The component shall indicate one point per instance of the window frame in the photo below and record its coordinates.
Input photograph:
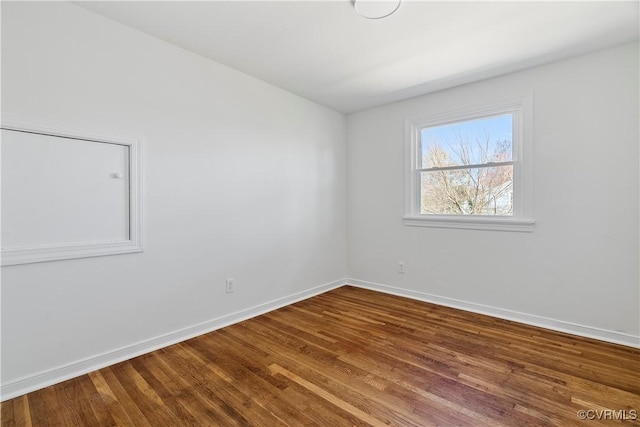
(522, 219)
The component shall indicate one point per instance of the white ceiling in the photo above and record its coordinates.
(325, 52)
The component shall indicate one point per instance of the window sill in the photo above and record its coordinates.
(471, 223)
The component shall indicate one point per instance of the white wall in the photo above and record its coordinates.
(241, 180)
(580, 265)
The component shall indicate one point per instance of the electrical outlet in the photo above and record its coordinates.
(402, 266)
(229, 286)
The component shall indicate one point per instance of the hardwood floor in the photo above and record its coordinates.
(353, 357)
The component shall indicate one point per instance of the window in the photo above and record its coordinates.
(470, 168)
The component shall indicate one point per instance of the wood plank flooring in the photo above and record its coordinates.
(353, 357)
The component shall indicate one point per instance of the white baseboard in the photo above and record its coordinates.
(529, 319)
(62, 373)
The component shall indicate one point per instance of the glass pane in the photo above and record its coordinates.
(472, 142)
(474, 191)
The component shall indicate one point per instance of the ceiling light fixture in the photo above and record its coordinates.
(375, 9)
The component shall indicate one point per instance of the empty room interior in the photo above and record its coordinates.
(320, 213)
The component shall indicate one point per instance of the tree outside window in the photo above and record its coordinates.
(467, 168)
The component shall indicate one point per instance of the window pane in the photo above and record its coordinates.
(474, 191)
(471, 142)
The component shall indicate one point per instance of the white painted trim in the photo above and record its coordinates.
(528, 319)
(42, 253)
(62, 373)
(477, 223)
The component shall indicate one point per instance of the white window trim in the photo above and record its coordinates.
(522, 219)
(42, 253)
